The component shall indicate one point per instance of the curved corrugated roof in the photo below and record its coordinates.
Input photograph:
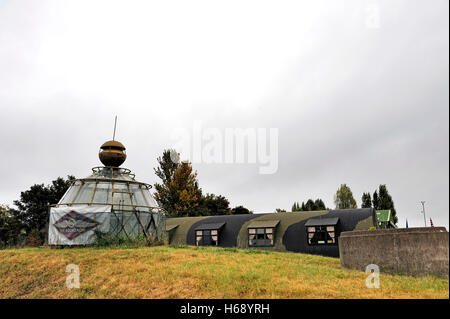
(210, 226)
(322, 221)
(263, 223)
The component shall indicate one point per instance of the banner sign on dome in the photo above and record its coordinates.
(77, 225)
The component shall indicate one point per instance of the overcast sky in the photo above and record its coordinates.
(358, 91)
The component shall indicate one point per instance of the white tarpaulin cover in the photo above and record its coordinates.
(76, 225)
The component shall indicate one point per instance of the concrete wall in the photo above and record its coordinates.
(415, 251)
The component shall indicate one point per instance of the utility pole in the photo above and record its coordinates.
(423, 211)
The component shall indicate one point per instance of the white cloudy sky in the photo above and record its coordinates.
(354, 103)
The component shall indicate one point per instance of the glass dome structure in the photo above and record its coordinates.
(133, 211)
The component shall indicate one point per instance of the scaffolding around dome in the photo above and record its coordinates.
(108, 201)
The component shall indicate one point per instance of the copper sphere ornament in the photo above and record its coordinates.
(112, 153)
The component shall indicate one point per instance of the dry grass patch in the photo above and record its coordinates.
(196, 272)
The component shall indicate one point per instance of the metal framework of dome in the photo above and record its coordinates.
(111, 186)
(132, 209)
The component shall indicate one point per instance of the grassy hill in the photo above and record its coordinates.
(195, 272)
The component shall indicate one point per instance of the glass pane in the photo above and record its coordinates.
(331, 234)
(199, 238)
(252, 231)
(310, 235)
(213, 232)
(251, 237)
(121, 195)
(71, 193)
(199, 232)
(151, 201)
(143, 209)
(269, 230)
(206, 232)
(311, 229)
(84, 196)
(330, 228)
(138, 197)
(102, 193)
(214, 238)
(122, 201)
(260, 230)
(269, 236)
(260, 242)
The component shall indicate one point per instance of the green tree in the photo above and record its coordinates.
(296, 207)
(238, 210)
(375, 201)
(366, 200)
(344, 198)
(168, 164)
(311, 205)
(214, 205)
(279, 210)
(9, 227)
(166, 195)
(384, 201)
(33, 207)
(179, 194)
(319, 204)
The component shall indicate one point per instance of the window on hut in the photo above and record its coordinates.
(322, 231)
(261, 233)
(260, 236)
(207, 237)
(208, 234)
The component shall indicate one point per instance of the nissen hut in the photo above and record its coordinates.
(314, 232)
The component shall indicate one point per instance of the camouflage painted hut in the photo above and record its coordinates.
(313, 232)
